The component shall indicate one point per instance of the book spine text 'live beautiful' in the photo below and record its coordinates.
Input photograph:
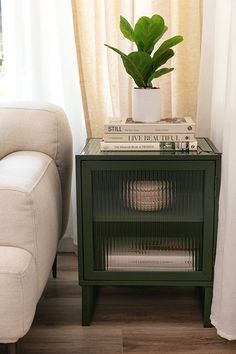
(147, 138)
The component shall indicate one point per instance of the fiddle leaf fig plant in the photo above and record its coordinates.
(142, 65)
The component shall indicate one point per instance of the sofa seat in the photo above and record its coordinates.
(18, 296)
(30, 227)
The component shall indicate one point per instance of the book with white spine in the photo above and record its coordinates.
(159, 146)
(178, 260)
(165, 126)
(147, 138)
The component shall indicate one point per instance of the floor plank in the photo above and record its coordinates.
(128, 320)
(175, 340)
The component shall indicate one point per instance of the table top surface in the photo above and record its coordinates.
(206, 151)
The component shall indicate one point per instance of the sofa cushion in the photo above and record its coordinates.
(18, 292)
(31, 208)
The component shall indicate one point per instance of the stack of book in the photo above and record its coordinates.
(169, 134)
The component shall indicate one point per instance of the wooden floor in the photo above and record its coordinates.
(127, 320)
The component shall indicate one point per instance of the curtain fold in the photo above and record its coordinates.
(106, 87)
(216, 119)
(40, 64)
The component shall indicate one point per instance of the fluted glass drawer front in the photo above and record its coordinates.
(148, 218)
(148, 195)
(147, 247)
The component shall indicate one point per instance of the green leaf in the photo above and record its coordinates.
(166, 45)
(143, 63)
(148, 31)
(159, 73)
(126, 29)
(162, 59)
(116, 50)
(130, 67)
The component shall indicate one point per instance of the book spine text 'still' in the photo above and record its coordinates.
(149, 128)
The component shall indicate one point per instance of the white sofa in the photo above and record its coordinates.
(35, 182)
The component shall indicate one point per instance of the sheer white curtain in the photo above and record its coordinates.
(217, 119)
(40, 63)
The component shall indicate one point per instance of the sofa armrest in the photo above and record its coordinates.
(30, 126)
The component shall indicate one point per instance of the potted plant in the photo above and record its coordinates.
(144, 67)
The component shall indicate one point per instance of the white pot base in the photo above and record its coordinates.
(146, 105)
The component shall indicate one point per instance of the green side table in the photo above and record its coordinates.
(147, 218)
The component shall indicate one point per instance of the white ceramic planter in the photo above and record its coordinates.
(146, 105)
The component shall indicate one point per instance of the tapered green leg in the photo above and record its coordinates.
(207, 300)
(88, 304)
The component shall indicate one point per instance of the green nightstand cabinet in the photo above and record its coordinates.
(147, 218)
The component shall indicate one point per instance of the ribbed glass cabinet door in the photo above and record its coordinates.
(148, 219)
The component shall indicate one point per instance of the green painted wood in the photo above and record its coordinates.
(207, 159)
(79, 217)
(146, 276)
(88, 304)
(145, 165)
(216, 202)
(208, 232)
(207, 294)
(146, 283)
(87, 221)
